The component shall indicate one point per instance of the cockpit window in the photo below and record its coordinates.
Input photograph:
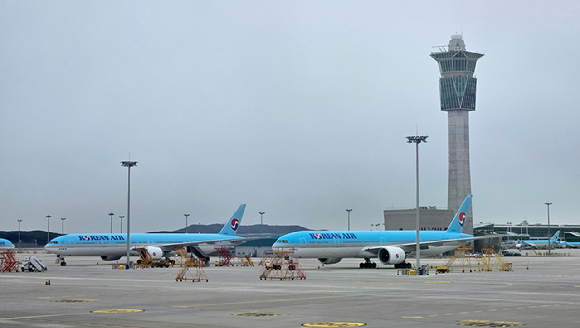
(284, 241)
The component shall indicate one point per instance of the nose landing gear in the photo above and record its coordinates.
(60, 259)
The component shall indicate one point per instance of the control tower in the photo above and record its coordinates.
(457, 88)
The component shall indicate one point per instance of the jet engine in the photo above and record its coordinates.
(111, 258)
(391, 255)
(155, 252)
(330, 260)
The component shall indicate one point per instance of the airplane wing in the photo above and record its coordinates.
(411, 247)
(231, 241)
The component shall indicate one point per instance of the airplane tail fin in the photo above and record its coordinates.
(555, 236)
(231, 227)
(459, 219)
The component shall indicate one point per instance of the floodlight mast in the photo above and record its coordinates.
(261, 221)
(417, 140)
(48, 229)
(186, 216)
(111, 214)
(121, 217)
(348, 217)
(549, 232)
(128, 165)
(19, 220)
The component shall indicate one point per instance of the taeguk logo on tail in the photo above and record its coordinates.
(462, 216)
(234, 224)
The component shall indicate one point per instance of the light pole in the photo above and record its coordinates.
(48, 229)
(417, 140)
(549, 233)
(128, 165)
(19, 220)
(261, 221)
(186, 216)
(111, 215)
(348, 215)
(62, 225)
(121, 217)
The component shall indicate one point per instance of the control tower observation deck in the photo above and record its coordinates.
(457, 88)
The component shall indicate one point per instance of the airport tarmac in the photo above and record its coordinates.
(540, 292)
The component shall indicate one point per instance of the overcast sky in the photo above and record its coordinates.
(296, 108)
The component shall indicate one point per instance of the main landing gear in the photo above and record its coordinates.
(367, 264)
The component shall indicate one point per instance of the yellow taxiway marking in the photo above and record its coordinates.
(412, 317)
(270, 301)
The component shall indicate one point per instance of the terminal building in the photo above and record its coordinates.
(457, 90)
(526, 231)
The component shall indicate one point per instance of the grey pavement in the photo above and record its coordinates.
(539, 292)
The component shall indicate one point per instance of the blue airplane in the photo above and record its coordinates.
(541, 243)
(111, 247)
(390, 247)
(571, 244)
(5, 244)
